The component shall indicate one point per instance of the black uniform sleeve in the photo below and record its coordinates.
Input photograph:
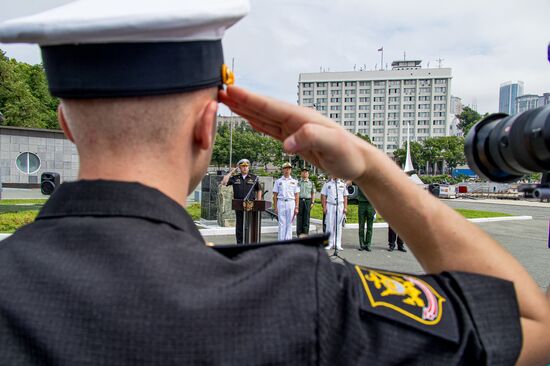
(257, 186)
(231, 180)
(377, 317)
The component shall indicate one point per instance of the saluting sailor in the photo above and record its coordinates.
(335, 205)
(245, 185)
(285, 201)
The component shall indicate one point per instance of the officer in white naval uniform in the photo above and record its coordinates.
(335, 203)
(285, 201)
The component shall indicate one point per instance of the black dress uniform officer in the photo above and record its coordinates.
(245, 185)
(114, 271)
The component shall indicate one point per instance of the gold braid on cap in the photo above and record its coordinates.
(228, 78)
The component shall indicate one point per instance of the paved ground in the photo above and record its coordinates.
(526, 240)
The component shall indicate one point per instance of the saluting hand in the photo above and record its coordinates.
(304, 131)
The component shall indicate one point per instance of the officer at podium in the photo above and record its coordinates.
(245, 185)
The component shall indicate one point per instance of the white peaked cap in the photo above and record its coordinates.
(109, 21)
(100, 48)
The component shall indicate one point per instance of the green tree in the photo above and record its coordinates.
(452, 150)
(364, 137)
(247, 144)
(24, 97)
(468, 118)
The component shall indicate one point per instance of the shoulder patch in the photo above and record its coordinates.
(417, 301)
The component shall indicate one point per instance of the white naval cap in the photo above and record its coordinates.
(105, 48)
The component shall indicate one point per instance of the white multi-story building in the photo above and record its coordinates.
(237, 121)
(531, 101)
(383, 104)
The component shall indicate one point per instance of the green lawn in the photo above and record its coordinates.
(16, 213)
(351, 217)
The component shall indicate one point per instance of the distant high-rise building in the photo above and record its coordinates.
(509, 91)
(384, 104)
(456, 105)
(456, 109)
(238, 121)
(531, 101)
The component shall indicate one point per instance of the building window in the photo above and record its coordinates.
(364, 83)
(307, 85)
(350, 92)
(335, 100)
(349, 107)
(28, 163)
(334, 92)
(364, 91)
(321, 84)
(321, 92)
(364, 99)
(349, 100)
(335, 108)
(335, 83)
(307, 92)
(349, 83)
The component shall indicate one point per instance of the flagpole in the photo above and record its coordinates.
(231, 125)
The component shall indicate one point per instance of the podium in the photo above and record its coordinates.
(252, 218)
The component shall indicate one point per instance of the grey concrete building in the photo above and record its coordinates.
(26, 153)
(383, 104)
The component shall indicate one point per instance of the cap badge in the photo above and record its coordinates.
(228, 77)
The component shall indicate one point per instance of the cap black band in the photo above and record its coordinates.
(132, 69)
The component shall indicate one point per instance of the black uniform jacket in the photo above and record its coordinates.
(241, 187)
(116, 273)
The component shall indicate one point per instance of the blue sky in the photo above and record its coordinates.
(484, 42)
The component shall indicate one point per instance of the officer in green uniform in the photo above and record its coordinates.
(307, 199)
(366, 212)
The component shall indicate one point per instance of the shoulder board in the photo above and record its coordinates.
(417, 301)
(312, 241)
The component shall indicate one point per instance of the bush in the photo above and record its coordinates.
(447, 179)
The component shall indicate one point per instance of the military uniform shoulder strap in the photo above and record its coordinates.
(313, 241)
